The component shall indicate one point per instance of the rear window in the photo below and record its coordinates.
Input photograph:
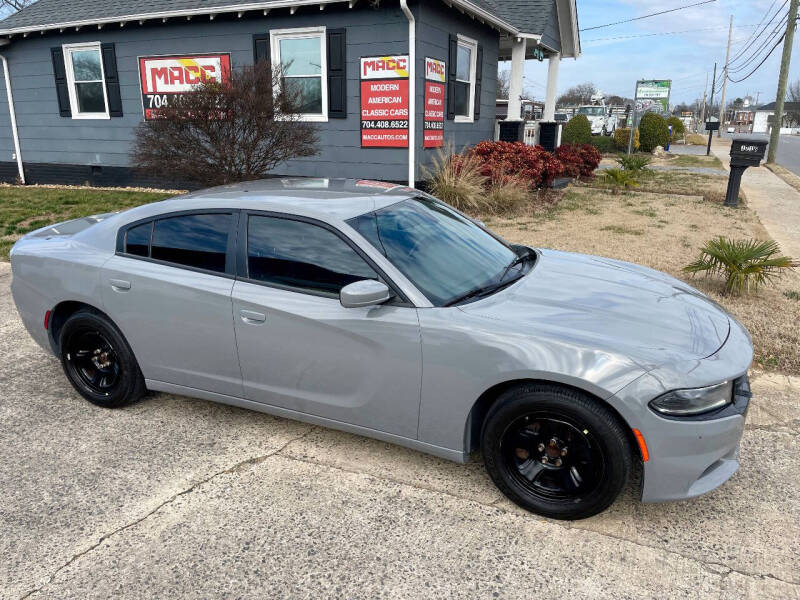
(199, 241)
(137, 240)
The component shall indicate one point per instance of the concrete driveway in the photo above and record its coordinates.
(175, 497)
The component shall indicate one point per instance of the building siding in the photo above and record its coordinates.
(45, 137)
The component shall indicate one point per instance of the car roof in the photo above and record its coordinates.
(333, 197)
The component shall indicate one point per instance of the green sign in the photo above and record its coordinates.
(653, 95)
(538, 54)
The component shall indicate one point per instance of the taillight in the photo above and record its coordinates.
(47, 320)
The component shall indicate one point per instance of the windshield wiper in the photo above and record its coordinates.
(499, 284)
(521, 258)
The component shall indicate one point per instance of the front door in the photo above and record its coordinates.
(300, 349)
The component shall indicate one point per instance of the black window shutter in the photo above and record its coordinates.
(478, 80)
(452, 59)
(261, 48)
(337, 73)
(263, 54)
(62, 87)
(112, 79)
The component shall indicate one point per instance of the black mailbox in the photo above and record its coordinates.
(747, 153)
(511, 131)
(712, 125)
(744, 153)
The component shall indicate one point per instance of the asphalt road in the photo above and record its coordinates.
(788, 149)
(179, 498)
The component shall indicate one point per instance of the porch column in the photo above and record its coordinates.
(515, 80)
(552, 88)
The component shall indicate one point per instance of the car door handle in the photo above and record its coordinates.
(248, 316)
(120, 285)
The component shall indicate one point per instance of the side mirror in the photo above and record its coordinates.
(364, 293)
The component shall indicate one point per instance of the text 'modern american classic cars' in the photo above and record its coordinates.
(380, 310)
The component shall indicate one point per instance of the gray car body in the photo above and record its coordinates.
(412, 374)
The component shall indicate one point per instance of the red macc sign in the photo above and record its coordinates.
(433, 120)
(384, 102)
(166, 77)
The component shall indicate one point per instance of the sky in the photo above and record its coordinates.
(614, 65)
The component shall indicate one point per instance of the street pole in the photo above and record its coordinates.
(725, 81)
(703, 109)
(784, 76)
(711, 107)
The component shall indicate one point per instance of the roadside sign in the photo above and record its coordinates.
(653, 95)
(433, 121)
(165, 78)
(384, 101)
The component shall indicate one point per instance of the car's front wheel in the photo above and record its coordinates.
(98, 361)
(556, 451)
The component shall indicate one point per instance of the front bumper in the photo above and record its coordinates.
(691, 456)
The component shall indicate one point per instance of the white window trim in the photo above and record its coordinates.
(67, 50)
(473, 63)
(275, 37)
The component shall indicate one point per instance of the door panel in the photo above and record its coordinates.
(178, 322)
(310, 354)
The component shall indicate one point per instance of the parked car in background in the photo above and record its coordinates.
(380, 310)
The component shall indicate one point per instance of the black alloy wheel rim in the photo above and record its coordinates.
(94, 362)
(552, 456)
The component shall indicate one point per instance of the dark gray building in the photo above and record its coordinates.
(84, 73)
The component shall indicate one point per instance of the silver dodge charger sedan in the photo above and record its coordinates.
(380, 310)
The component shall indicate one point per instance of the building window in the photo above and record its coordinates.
(87, 86)
(465, 78)
(301, 54)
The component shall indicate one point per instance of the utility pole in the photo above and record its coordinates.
(711, 107)
(703, 109)
(725, 82)
(784, 76)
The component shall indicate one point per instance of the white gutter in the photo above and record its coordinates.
(412, 94)
(13, 117)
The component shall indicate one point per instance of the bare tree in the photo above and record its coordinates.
(11, 6)
(226, 132)
(503, 84)
(792, 108)
(578, 94)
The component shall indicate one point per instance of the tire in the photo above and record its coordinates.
(98, 361)
(556, 451)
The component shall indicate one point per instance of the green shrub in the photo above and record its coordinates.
(578, 130)
(678, 128)
(621, 137)
(653, 132)
(636, 163)
(618, 178)
(604, 144)
(745, 264)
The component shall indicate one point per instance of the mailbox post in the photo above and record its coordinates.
(744, 153)
(711, 127)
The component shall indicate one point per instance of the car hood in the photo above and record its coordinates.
(605, 303)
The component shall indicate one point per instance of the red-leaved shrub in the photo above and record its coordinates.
(578, 160)
(532, 164)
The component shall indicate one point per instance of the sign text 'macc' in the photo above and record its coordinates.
(384, 67)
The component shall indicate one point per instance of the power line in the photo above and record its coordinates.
(640, 35)
(758, 34)
(765, 45)
(655, 14)
(778, 43)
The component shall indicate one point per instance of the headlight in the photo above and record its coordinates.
(683, 403)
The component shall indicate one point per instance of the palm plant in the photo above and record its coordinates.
(745, 264)
(636, 163)
(618, 178)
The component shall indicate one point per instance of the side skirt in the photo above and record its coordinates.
(441, 452)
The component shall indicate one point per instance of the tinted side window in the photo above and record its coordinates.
(137, 239)
(192, 240)
(301, 255)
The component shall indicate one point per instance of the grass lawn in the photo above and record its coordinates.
(665, 232)
(691, 160)
(23, 209)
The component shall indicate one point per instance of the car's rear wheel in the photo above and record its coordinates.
(556, 451)
(98, 361)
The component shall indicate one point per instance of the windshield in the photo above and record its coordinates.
(592, 111)
(444, 254)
